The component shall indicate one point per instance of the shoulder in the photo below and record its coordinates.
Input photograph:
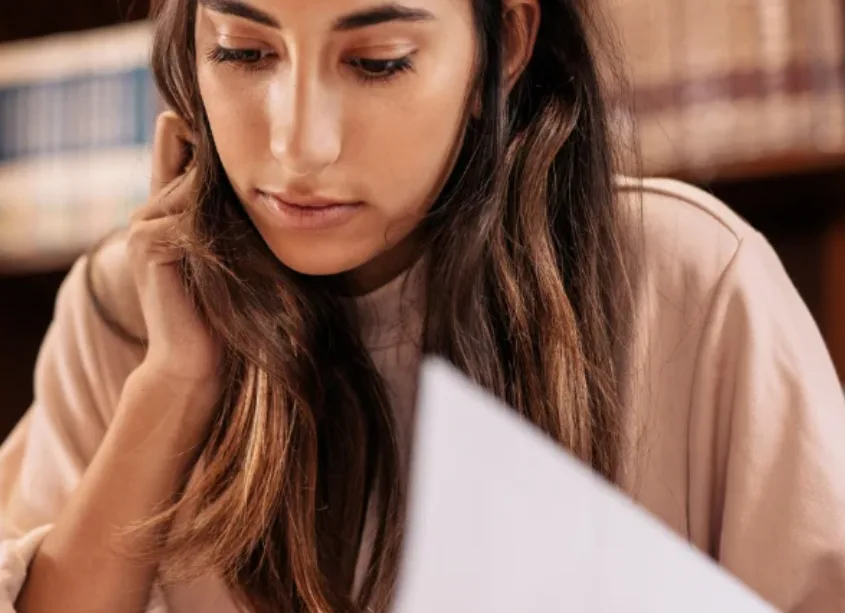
(690, 246)
(720, 327)
(680, 231)
(737, 398)
(695, 256)
(716, 322)
(681, 204)
(90, 347)
(112, 291)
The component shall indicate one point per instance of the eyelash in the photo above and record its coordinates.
(243, 58)
(253, 60)
(390, 69)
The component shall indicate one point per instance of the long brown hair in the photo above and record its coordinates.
(523, 265)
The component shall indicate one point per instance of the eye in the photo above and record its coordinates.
(380, 70)
(248, 59)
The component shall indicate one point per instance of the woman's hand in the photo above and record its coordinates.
(180, 349)
(152, 443)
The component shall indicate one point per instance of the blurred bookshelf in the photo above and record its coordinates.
(747, 99)
(743, 97)
(74, 123)
(735, 89)
(76, 119)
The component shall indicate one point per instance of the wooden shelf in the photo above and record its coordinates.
(43, 17)
(784, 164)
(38, 263)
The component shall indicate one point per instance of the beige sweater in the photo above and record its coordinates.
(734, 412)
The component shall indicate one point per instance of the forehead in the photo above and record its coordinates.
(292, 13)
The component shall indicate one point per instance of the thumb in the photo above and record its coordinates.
(171, 147)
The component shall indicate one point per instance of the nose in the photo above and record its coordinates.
(305, 125)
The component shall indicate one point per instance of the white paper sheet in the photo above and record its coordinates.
(502, 520)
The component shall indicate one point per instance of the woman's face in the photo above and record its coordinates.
(336, 120)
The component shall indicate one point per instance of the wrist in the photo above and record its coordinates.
(183, 405)
(185, 370)
(183, 384)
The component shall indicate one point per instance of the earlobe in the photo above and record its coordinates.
(475, 105)
(521, 24)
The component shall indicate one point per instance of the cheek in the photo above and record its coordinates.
(415, 138)
(237, 120)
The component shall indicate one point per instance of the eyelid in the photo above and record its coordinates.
(241, 42)
(385, 51)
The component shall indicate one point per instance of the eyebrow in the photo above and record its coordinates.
(381, 14)
(376, 15)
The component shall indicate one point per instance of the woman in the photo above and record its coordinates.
(224, 399)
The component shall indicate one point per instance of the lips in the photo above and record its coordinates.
(297, 212)
(307, 202)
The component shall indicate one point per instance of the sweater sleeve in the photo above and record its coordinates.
(767, 439)
(80, 371)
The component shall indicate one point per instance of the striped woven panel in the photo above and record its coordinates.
(720, 84)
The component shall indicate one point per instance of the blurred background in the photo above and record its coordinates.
(745, 98)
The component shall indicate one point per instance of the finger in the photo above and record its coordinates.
(176, 198)
(156, 241)
(172, 139)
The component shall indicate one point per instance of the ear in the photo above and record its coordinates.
(521, 23)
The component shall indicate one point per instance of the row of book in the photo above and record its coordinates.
(725, 83)
(76, 123)
(78, 113)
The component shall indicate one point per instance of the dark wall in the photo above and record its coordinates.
(26, 308)
(28, 18)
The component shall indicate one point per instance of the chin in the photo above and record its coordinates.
(319, 258)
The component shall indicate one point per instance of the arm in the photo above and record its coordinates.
(767, 440)
(127, 473)
(140, 465)
(81, 370)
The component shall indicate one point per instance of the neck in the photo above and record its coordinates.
(385, 267)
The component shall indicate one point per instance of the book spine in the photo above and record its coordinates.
(76, 123)
(76, 114)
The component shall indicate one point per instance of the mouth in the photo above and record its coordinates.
(315, 213)
(306, 202)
